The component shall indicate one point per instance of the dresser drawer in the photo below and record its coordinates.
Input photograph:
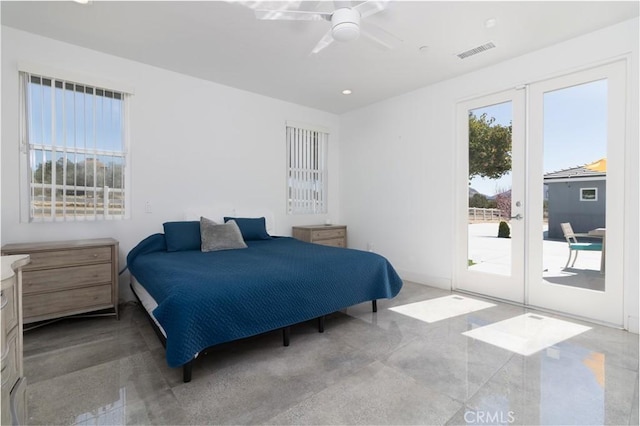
(64, 278)
(9, 362)
(66, 302)
(327, 234)
(9, 307)
(58, 258)
(5, 411)
(19, 402)
(334, 242)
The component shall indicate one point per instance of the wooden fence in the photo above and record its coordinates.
(477, 214)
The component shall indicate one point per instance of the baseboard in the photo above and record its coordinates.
(424, 279)
(633, 324)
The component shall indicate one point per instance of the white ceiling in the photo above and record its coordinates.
(225, 43)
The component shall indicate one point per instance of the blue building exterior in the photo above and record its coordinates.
(578, 196)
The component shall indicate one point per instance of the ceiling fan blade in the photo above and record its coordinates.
(370, 7)
(292, 15)
(379, 35)
(341, 4)
(258, 4)
(326, 40)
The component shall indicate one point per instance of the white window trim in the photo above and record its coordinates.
(87, 79)
(307, 126)
(588, 189)
(324, 172)
(24, 170)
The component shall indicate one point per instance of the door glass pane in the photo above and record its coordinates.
(489, 243)
(575, 176)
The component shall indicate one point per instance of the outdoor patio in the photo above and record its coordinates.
(493, 255)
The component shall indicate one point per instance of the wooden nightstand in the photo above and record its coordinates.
(68, 277)
(327, 235)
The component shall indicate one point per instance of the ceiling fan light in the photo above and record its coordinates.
(345, 24)
(346, 31)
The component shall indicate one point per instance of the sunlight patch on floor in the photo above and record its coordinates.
(441, 308)
(527, 334)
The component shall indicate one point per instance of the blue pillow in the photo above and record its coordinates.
(251, 228)
(181, 236)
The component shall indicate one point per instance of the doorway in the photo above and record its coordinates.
(541, 194)
(493, 160)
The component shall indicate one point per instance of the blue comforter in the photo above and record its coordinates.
(209, 298)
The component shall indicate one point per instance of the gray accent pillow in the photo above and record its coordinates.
(216, 237)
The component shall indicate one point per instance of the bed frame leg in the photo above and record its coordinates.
(186, 371)
(286, 334)
(374, 305)
(321, 324)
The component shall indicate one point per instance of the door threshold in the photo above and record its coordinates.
(541, 309)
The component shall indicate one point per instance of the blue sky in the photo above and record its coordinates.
(575, 125)
(87, 122)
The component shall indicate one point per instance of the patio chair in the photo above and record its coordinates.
(574, 245)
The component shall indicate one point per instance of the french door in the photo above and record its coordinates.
(565, 165)
(591, 200)
(493, 176)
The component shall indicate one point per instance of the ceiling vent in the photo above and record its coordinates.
(476, 50)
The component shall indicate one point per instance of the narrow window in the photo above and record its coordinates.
(306, 170)
(74, 136)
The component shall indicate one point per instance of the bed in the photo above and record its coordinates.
(198, 299)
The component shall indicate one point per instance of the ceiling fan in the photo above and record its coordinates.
(346, 22)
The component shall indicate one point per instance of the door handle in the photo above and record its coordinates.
(517, 217)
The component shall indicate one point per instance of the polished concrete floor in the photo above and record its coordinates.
(366, 368)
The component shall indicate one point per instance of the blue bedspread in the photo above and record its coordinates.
(210, 298)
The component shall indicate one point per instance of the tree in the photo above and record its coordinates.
(503, 201)
(489, 147)
(479, 201)
(80, 173)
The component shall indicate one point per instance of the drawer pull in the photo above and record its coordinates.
(3, 301)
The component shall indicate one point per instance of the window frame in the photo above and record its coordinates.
(308, 203)
(26, 146)
(595, 194)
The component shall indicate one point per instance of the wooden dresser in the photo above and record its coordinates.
(328, 235)
(14, 385)
(68, 277)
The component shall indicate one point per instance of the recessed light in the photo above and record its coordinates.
(490, 23)
(82, 1)
(346, 92)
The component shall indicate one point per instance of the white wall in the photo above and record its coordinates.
(193, 144)
(397, 160)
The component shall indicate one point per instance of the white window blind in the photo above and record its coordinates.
(74, 140)
(307, 170)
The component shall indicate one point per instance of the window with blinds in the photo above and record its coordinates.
(74, 138)
(307, 170)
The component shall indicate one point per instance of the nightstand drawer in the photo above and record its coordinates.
(63, 278)
(327, 234)
(56, 259)
(67, 302)
(334, 242)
